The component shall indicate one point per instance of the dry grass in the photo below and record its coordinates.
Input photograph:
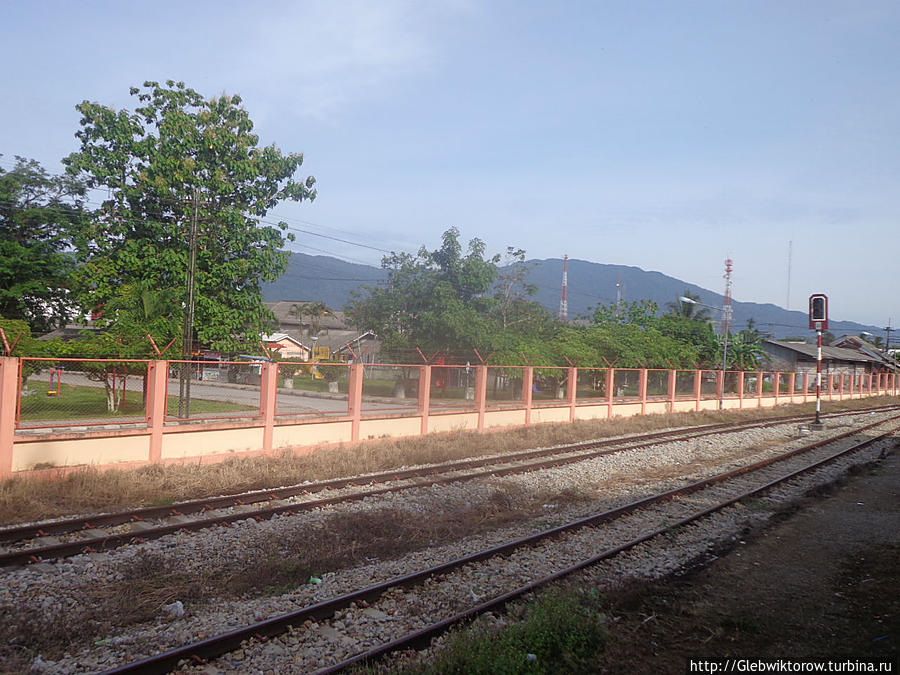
(90, 490)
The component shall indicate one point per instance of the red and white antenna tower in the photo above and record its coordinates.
(726, 302)
(564, 298)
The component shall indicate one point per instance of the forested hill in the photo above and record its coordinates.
(320, 278)
(329, 280)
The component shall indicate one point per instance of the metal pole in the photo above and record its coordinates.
(187, 338)
(724, 361)
(819, 378)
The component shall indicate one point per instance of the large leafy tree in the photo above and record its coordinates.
(38, 212)
(176, 160)
(437, 300)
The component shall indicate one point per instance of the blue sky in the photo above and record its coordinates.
(665, 135)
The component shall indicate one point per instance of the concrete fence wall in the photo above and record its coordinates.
(157, 438)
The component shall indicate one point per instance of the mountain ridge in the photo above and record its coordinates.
(332, 281)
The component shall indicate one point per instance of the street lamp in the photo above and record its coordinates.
(691, 301)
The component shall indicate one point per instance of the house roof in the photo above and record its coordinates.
(856, 343)
(830, 353)
(286, 317)
(278, 337)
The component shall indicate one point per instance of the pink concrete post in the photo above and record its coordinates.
(424, 396)
(157, 379)
(9, 396)
(572, 391)
(673, 376)
(610, 386)
(642, 390)
(830, 386)
(841, 387)
(792, 385)
(481, 377)
(776, 385)
(759, 388)
(267, 395)
(354, 399)
(698, 387)
(527, 382)
(869, 383)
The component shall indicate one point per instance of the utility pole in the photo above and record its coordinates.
(187, 336)
(887, 337)
(787, 304)
(619, 299)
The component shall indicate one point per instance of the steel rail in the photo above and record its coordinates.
(98, 543)
(80, 523)
(224, 643)
(422, 637)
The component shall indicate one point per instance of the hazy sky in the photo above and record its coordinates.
(664, 135)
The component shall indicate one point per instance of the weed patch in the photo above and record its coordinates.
(557, 633)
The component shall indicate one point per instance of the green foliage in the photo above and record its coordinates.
(512, 306)
(640, 313)
(689, 310)
(561, 633)
(436, 301)
(700, 335)
(174, 156)
(745, 352)
(37, 214)
(139, 310)
(17, 329)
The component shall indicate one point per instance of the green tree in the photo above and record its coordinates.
(37, 214)
(745, 352)
(639, 313)
(179, 158)
(513, 306)
(699, 334)
(139, 310)
(689, 310)
(315, 312)
(437, 300)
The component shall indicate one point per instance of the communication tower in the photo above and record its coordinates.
(726, 302)
(564, 298)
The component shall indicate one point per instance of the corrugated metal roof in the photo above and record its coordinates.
(831, 353)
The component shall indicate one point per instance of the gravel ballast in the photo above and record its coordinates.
(608, 481)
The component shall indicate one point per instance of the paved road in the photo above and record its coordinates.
(288, 401)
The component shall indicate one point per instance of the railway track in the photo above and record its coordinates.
(45, 541)
(514, 568)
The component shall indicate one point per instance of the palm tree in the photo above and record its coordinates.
(314, 311)
(689, 310)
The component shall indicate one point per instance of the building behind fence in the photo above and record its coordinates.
(59, 413)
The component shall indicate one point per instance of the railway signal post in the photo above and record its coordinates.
(818, 321)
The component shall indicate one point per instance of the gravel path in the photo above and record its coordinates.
(610, 480)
